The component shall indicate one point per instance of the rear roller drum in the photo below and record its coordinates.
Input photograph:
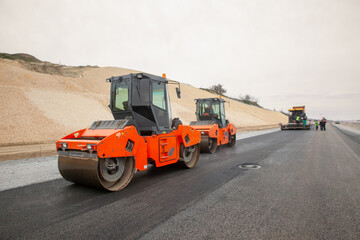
(116, 173)
(189, 155)
(232, 140)
(208, 145)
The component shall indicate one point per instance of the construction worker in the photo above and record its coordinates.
(316, 124)
(297, 120)
(323, 124)
(304, 118)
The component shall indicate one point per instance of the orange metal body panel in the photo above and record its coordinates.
(194, 136)
(113, 143)
(163, 148)
(213, 131)
(115, 146)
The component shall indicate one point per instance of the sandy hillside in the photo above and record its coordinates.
(40, 107)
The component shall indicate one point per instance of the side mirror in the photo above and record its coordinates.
(178, 93)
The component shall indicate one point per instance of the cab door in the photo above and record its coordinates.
(222, 114)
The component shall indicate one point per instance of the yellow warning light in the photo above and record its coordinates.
(164, 75)
(219, 96)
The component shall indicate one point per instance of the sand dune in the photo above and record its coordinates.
(39, 107)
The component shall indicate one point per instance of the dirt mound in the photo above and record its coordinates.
(40, 104)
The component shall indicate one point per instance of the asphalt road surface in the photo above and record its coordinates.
(308, 187)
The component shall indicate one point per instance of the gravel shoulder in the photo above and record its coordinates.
(347, 128)
(27, 171)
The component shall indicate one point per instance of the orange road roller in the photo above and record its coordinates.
(108, 154)
(212, 124)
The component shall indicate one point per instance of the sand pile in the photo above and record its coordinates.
(38, 107)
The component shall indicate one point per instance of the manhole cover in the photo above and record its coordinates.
(249, 166)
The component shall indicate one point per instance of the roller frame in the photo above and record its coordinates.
(221, 135)
(79, 165)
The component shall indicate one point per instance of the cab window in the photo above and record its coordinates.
(158, 95)
(222, 111)
(216, 109)
(122, 96)
(203, 108)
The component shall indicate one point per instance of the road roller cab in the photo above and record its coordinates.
(108, 153)
(143, 98)
(212, 124)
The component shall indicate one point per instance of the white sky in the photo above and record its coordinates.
(283, 52)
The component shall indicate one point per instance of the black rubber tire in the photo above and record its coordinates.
(232, 140)
(186, 160)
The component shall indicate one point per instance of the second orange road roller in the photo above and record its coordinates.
(212, 124)
(107, 154)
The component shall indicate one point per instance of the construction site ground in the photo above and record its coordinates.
(307, 187)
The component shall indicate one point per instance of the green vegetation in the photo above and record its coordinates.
(250, 100)
(20, 56)
(220, 90)
(31, 63)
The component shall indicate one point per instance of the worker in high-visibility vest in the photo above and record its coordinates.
(297, 120)
(316, 124)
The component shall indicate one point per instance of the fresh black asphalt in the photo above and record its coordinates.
(308, 188)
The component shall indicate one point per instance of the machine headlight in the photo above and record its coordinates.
(64, 145)
(91, 146)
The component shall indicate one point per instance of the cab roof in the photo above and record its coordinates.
(210, 99)
(138, 76)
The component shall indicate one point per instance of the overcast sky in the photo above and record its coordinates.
(283, 52)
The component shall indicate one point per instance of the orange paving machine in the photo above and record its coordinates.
(212, 124)
(107, 154)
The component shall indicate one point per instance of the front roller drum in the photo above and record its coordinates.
(208, 145)
(112, 174)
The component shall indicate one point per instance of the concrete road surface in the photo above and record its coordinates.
(308, 187)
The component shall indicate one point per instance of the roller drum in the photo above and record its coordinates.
(208, 145)
(90, 170)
